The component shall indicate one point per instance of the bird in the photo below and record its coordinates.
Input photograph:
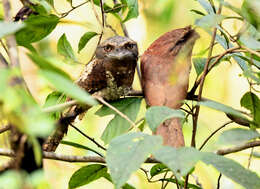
(165, 68)
(109, 75)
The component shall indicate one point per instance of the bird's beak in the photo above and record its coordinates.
(121, 55)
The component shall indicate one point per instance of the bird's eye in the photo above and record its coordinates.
(129, 46)
(108, 48)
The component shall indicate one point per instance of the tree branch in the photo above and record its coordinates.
(238, 148)
(5, 128)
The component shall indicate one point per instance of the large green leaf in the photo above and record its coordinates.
(118, 125)
(87, 174)
(9, 28)
(181, 160)
(251, 102)
(238, 136)
(178, 160)
(66, 86)
(44, 64)
(158, 114)
(126, 153)
(233, 170)
(84, 40)
(132, 10)
(37, 28)
(64, 48)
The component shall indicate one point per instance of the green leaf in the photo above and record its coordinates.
(251, 102)
(80, 146)
(233, 170)
(84, 40)
(209, 21)
(199, 64)
(158, 169)
(157, 114)
(126, 153)
(8, 28)
(237, 136)
(251, 12)
(86, 175)
(64, 48)
(65, 85)
(178, 160)
(132, 10)
(37, 28)
(221, 107)
(44, 64)
(207, 6)
(118, 125)
(41, 6)
(12, 179)
(52, 99)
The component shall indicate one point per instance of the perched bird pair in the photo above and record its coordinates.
(165, 67)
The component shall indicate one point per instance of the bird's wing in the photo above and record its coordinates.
(93, 78)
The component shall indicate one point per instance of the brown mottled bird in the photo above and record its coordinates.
(165, 68)
(110, 75)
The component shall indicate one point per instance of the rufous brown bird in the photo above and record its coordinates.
(110, 75)
(165, 68)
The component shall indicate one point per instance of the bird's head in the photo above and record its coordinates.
(117, 48)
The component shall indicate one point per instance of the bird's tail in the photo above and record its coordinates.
(171, 132)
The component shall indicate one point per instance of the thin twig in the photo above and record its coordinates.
(60, 107)
(250, 158)
(251, 51)
(3, 61)
(197, 109)
(5, 48)
(212, 134)
(73, 8)
(219, 177)
(4, 128)
(88, 137)
(100, 99)
(10, 40)
(238, 148)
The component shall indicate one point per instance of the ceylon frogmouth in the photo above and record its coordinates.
(110, 75)
(165, 68)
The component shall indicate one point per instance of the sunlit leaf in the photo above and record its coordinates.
(178, 160)
(132, 10)
(64, 48)
(86, 175)
(207, 6)
(155, 115)
(209, 21)
(118, 125)
(9, 28)
(126, 153)
(251, 12)
(221, 107)
(44, 64)
(237, 136)
(85, 39)
(65, 85)
(233, 170)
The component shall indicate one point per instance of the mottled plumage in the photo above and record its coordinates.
(110, 75)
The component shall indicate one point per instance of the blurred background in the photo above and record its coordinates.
(224, 84)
